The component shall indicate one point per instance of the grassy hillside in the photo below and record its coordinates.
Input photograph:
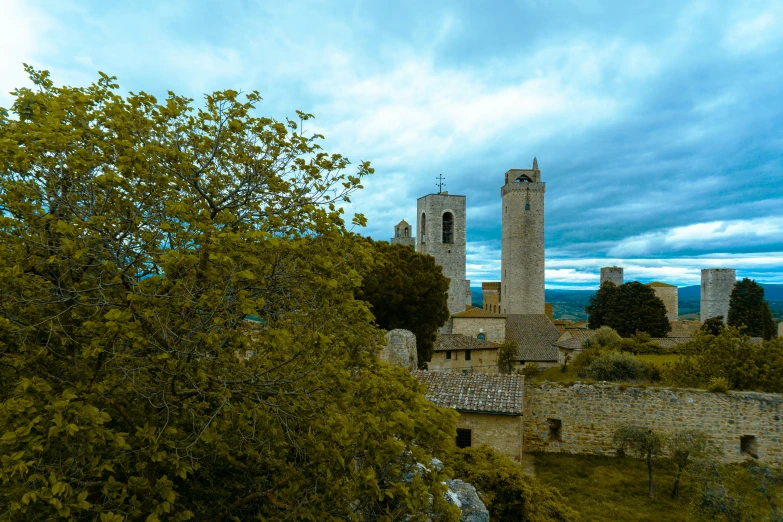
(609, 489)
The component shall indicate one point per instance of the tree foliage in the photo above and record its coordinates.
(641, 442)
(619, 366)
(629, 308)
(509, 493)
(507, 356)
(733, 356)
(747, 308)
(135, 238)
(683, 447)
(407, 290)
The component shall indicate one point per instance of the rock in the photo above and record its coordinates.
(400, 349)
(466, 498)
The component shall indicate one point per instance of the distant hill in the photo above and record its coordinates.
(570, 304)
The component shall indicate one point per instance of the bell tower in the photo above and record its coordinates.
(522, 257)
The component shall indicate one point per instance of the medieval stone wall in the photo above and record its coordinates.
(501, 432)
(613, 274)
(400, 349)
(716, 287)
(589, 414)
(669, 295)
(481, 361)
(494, 328)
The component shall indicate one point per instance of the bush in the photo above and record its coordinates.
(718, 385)
(530, 371)
(585, 358)
(603, 337)
(619, 366)
(640, 343)
(508, 493)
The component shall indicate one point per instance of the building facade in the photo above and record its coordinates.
(716, 287)
(403, 234)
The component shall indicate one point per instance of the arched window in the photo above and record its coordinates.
(423, 228)
(524, 178)
(406, 232)
(527, 206)
(448, 228)
(481, 337)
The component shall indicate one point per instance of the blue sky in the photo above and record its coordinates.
(658, 126)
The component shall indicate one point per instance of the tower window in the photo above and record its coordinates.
(448, 228)
(406, 232)
(527, 206)
(423, 228)
(463, 438)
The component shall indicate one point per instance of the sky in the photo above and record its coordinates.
(658, 126)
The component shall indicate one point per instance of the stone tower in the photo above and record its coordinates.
(403, 234)
(522, 257)
(441, 226)
(716, 287)
(613, 274)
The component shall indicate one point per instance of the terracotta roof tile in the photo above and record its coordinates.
(569, 344)
(477, 312)
(534, 334)
(462, 342)
(474, 392)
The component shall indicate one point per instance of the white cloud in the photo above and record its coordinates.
(755, 30)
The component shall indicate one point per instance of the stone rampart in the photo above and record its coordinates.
(582, 418)
(613, 274)
(716, 287)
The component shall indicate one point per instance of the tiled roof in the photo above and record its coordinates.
(534, 334)
(569, 344)
(670, 342)
(478, 312)
(462, 342)
(474, 392)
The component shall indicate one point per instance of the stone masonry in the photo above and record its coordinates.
(522, 248)
(669, 295)
(448, 248)
(582, 418)
(400, 349)
(613, 274)
(403, 234)
(716, 287)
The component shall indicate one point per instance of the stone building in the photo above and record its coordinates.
(716, 287)
(522, 248)
(403, 234)
(669, 295)
(441, 226)
(491, 291)
(400, 349)
(613, 274)
(462, 353)
(489, 406)
(481, 324)
(535, 336)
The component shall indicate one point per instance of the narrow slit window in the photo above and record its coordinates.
(527, 206)
(448, 228)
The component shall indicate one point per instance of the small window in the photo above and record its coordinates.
(423, 228)
(448, 354)
(527, 206)
(448, 228)
(406, 232)
(467, 355)
(748, 446)
(555, 427)
(481, 337)
(463, 438)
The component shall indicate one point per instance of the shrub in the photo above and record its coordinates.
(603, 337)
(619, 366)
(640, 343)
(530, 371)
(718, 385)
(584, 358)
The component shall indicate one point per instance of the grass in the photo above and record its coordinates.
(556, 374)
(608, 489)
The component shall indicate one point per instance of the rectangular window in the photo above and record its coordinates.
(555, 429)
(467, 355)
(448, 354)
(463, 438)
(748, 446)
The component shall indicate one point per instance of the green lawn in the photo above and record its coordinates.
(611, 489)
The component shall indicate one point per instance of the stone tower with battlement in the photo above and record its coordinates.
(403, 234)
(441, 227)
(716, 287)
(613, 274)
(522, 256)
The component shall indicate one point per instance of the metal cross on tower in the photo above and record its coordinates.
(440, 183)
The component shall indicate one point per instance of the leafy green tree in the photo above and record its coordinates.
(507, 356)
(620, 366)
(713, 325)
(136, 237)
(603, 337)
(730, 355)
(629, 308)
(509, 493)
(748, 308)
(407, 290)
(683, 446)
(641, 442)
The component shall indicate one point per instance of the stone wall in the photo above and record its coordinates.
(716, 287)
(501, 432)
(493, 327)
(400, 349)
(522, 247)
(669, 295)
(613, 274)
(491, 291)
(588, 415)
(481, 361)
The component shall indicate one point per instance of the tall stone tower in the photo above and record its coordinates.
(403, 234)
(441, 226)
(522, 258)
(716, 287)
(613, 274)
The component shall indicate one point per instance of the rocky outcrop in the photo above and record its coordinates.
(466, 498)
